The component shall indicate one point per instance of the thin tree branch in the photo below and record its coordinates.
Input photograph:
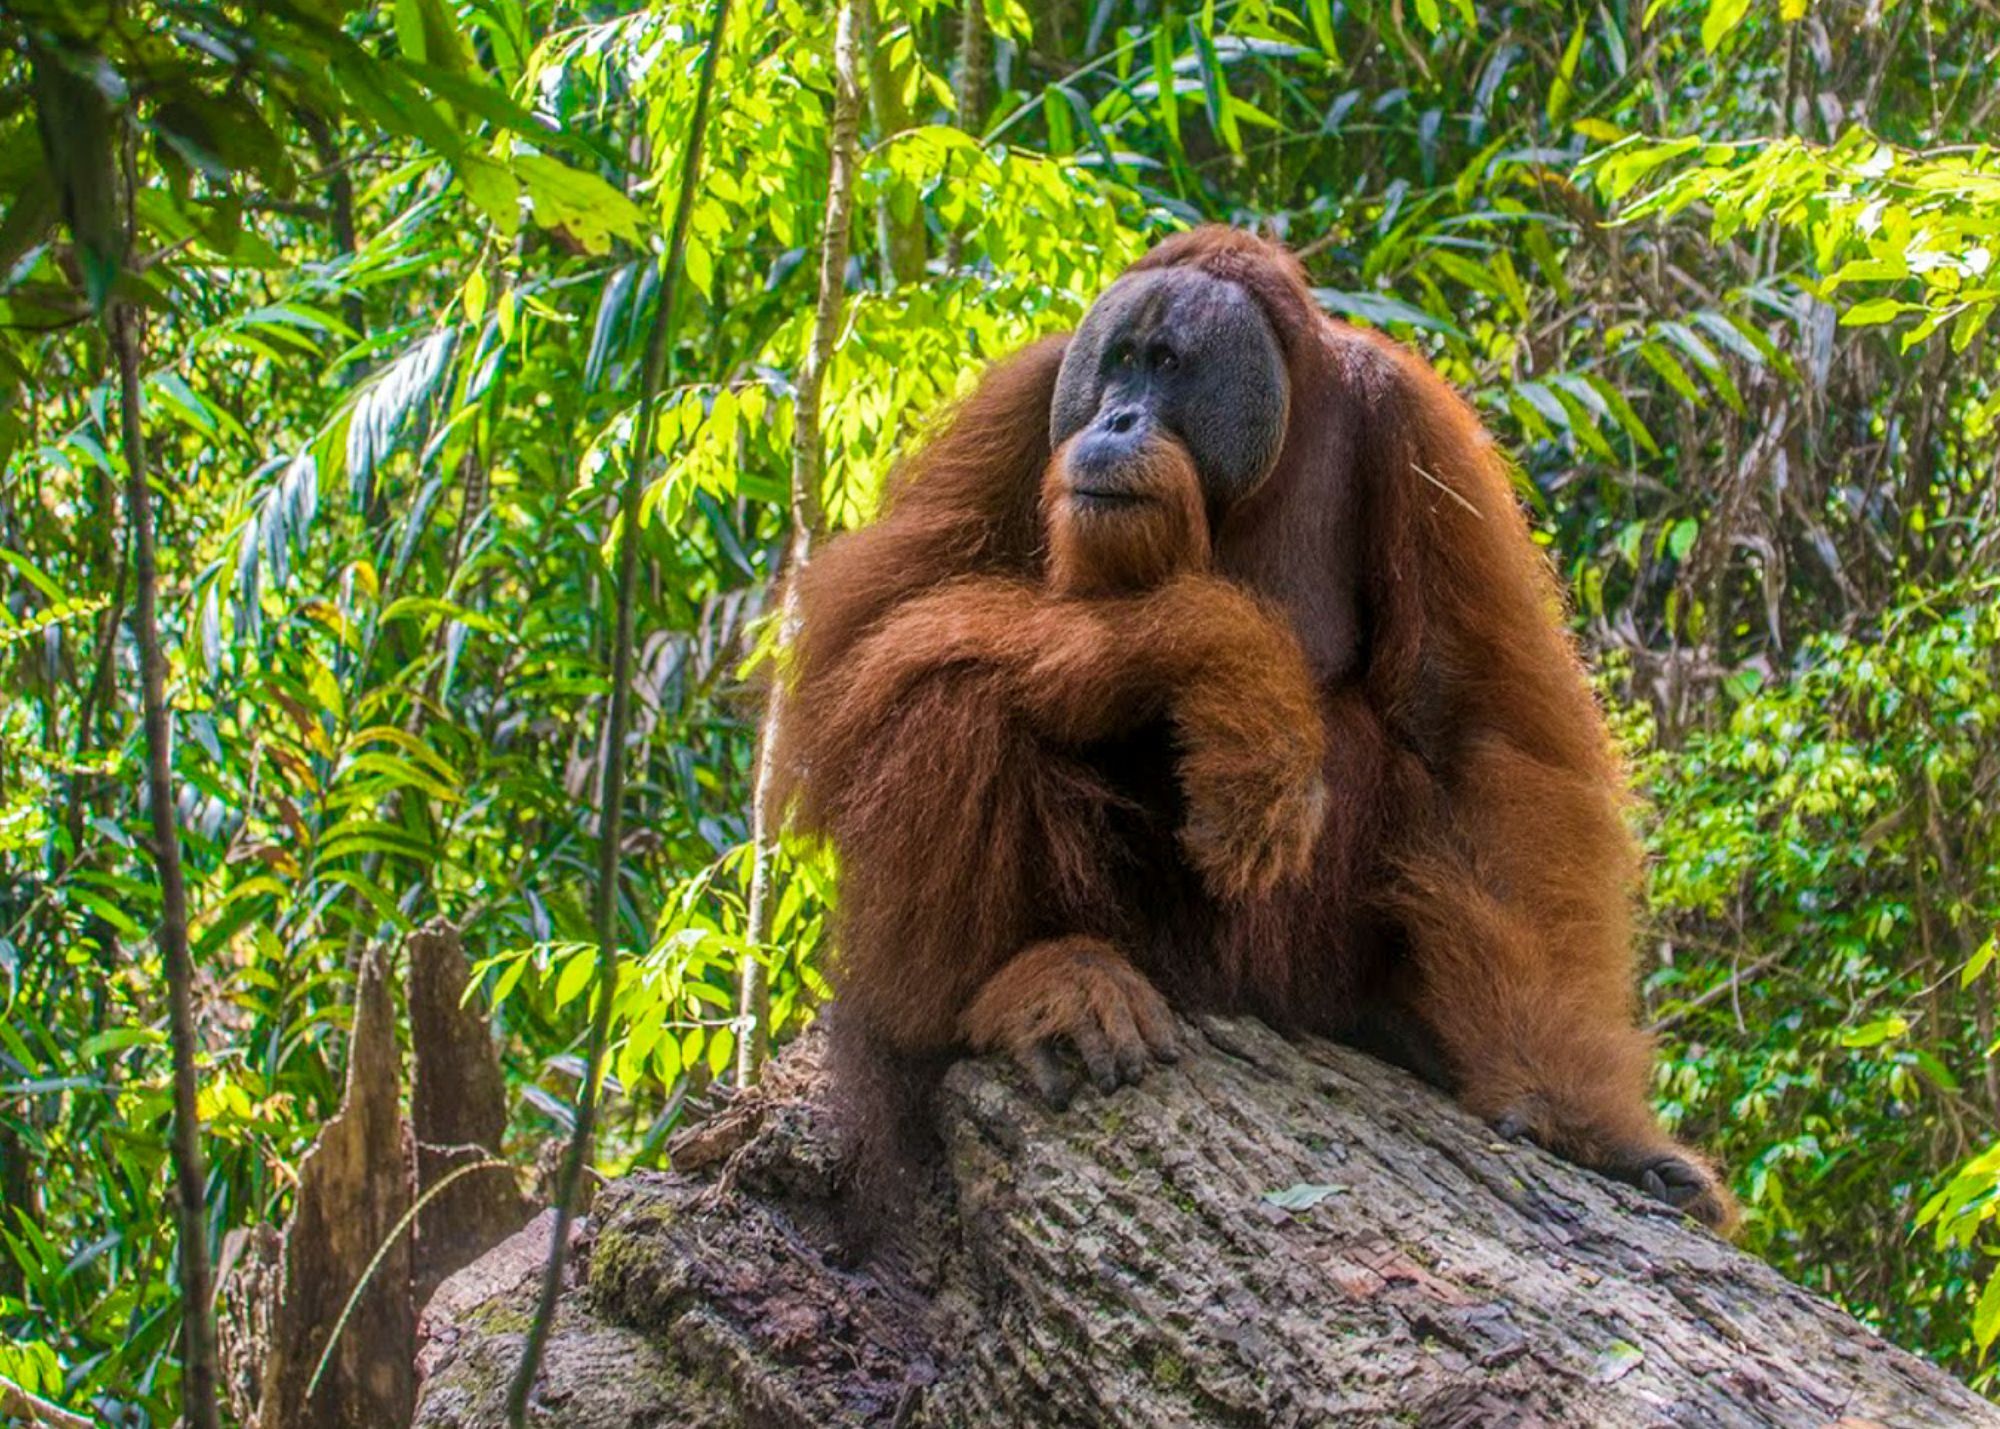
(753, 1042)
(1728, 986)
(969, 92)
(612, 789)
(19, 1406)
(197, 1332)
(901, 241)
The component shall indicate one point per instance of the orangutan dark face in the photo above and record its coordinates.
(1178, 356)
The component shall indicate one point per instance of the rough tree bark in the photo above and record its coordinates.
(1268, 1233)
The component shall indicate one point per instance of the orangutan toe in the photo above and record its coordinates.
(1513, 1126)
(1667, 1172)
(1046, 1073)
(1690, 1187)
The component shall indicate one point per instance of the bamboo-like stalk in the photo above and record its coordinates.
(198, 1373)
(901, 241)
(612, 786)
(808, 518)
(974, 56)
(969, 92)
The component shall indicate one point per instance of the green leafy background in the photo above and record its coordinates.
(1721, 277)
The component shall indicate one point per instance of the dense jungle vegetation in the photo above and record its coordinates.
(362, 293)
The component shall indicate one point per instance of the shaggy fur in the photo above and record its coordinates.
(1005, 700)
(1047, 798)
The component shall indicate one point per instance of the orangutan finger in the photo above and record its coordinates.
(1052, 1081)
(1128, 1047)
(1095, 1049)
(1156, 1025)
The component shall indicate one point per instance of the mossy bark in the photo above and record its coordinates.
(1268, 1233)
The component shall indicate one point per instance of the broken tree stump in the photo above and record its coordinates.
(354, 1188)
(1268, 1233)
(458, 1114)
(401, 1203)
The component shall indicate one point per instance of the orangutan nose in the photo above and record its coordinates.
(1110, 444)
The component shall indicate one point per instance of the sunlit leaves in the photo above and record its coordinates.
(493, 186)
(1964, 1208)
(1874, 1034)
(1563, 90)
(1812, 815)
(1620, 168)
(577, 203)
(1925, 226)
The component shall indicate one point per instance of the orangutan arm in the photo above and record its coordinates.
(1228, 674)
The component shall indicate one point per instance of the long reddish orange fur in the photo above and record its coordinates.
(1473, 883)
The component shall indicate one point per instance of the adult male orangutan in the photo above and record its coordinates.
(1068, 791)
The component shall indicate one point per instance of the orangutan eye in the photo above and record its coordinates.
(1165, 359)
(1123, 357)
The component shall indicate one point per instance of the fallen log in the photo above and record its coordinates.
(1267, 1233)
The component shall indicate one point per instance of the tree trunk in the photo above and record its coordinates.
(1267, 1233)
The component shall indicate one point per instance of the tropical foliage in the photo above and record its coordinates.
(1719, 274)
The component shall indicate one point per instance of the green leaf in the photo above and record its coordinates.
(1873, 1034)
(1381, 310)
(1669, 368)
(1166, 101)
(34, 577)
(1215, 87)
(1080, 107)
(1319, 13)
(76, 124)
(401, 773)
(1628, 417)
(428, 35)
(477, 95)
(1302, 1196)
(117, 1039)
(578, 203)
(382, 91)
(1563, 91)
(492, 187)
(575, 976)
(1979, 962)
(1721, 21)
(1968, 323)
(1618, 170)
(1986, 1314)
(1877, 310)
